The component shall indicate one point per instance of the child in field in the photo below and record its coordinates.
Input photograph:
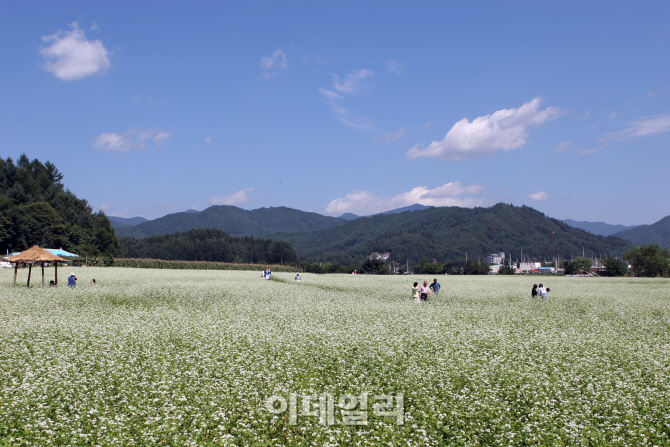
(533, 293)
(542, 291)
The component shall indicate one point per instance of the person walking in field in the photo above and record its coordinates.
(416, 292)
(533, 293)
(425, 291)
(435, 287)
(542, 291)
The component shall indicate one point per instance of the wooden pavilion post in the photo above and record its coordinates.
(56, 280)
(16, 271)
(42, 274)
(30, 269)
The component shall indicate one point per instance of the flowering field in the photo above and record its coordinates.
(176, 357)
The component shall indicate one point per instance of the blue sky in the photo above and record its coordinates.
(157, 107)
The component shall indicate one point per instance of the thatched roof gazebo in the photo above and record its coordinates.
(35, 256)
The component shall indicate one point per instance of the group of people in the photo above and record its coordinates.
(266, 273)
(421, 293)
(71, 281)
(541, 291)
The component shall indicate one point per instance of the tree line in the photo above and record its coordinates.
(206, 244)
(36, 209)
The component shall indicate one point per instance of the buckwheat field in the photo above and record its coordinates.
(174, 357)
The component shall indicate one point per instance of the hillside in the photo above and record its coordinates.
(36, 208)
(208, 245)
(447, 233)
(122, 222)
(657, 233)
(601, 228)
(235, 221)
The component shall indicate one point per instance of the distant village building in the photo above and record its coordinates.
(496, 258)
(382, 256)
(526, 267)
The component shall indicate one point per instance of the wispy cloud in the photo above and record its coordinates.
(208, 139)
(450, 194)
(71, 56)
(273, 65)
(561, 147)
(133, 139)
(505, 129)
(236, 198)
(394, 66)
(353, 82)
(538, 196)
(639, 128)
(344, 89)
(395, 135)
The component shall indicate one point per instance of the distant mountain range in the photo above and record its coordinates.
(415, 207)
(448, 233)
(656, 233)
(235, 221)
(411, 232)
(122, 222)
(598, 227)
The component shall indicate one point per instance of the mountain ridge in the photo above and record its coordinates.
(656, 233)
(235, 221)
(601, 228)
(448, 233)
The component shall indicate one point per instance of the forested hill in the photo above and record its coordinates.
(233, 220)
(209, 245)
(35, 208)
(657, 233)
(448, 233)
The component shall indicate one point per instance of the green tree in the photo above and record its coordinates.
(581, 264)
(430, 268)
(615, 267)
(374, 267)
(648, 260)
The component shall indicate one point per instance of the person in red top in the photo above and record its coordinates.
(425, 291)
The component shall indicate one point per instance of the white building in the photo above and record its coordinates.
(526, 267)
(496, 258)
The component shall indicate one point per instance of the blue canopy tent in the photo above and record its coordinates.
(62, 253)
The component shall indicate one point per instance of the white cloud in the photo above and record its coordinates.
(236, 198)
(538, 196)
(272, 65)
(133, 139)
(640, 128)
(331, 95)
(364, 202)
(561, 147)
(208, 139)
(505, 129)
(71, 56)
(352, 83)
